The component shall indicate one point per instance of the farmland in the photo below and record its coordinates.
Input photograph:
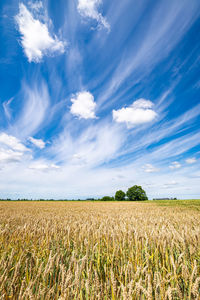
(100, 250)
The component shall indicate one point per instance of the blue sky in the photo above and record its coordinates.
(99, 95)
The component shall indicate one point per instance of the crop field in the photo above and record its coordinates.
(100, 250)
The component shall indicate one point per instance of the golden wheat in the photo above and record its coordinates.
(94, 250)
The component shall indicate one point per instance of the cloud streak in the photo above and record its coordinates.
(89, 9)
(35, 107)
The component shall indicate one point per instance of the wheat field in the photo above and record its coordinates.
(98, 250)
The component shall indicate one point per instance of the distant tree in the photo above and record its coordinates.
(107, 198)
(120, 195)
(136, 193)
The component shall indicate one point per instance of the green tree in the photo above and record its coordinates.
(136, 193)
(120, 195)
(107, 198)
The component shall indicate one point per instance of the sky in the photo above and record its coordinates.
(97, 96)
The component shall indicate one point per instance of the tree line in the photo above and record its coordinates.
(134, 193)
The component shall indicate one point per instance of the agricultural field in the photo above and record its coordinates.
(100, 250)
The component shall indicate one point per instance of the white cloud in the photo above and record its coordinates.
(37, 142)
(175, 165)
(148, 168)
(89, 9)
(83, 106)
(9, 155)
(11, 142)
(36, 39)
(43, 166)
(35, 5)
(11, 149)
(191, 160)
(139, 112)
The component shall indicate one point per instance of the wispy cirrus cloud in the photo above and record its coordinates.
(35, 5)
(89, 9)
(36, 39)
(35, 107)
(87, 148)
(7, 109)
(156, 38)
